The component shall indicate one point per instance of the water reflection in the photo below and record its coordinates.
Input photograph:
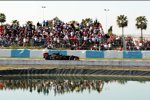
(57, 85)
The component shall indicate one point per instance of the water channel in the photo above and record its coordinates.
(74, 88)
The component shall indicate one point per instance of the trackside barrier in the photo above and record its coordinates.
(27, 53)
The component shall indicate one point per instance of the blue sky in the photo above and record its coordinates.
(78, 10)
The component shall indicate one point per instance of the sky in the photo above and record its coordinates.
(78, 10)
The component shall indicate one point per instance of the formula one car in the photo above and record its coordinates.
(57, 56)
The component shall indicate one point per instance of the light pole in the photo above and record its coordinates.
(43, 7)
(106, 10)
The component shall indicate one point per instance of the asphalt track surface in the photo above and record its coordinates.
(71, 71)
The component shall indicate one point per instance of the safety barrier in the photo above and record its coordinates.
(28, 53)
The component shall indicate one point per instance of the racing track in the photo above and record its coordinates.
(75, 71)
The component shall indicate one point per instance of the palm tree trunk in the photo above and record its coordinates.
(123, 40)
(141, 36)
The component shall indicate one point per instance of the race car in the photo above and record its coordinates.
(58, 56)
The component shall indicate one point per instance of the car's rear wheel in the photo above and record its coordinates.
(75, 58)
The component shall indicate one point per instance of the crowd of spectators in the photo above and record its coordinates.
(71, 35)
(53, 34)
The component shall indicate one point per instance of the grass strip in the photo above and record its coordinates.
(7, 67)
(81, 75)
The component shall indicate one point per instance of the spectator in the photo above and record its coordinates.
(57, 34)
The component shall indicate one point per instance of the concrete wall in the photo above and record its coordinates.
(94, 54)
(27, 53)
(23, 53)
(80, 53)
(113, 54)
(36, 53)
(5, 53)
(111, 63)
(145, 54)
(132, 54)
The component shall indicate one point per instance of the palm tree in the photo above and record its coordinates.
(86, 21)
(122, 22)
(89, 20)
(15, 22)
(72, 22)
(2, 18)
(57, 20)
(110, 31)
(29, 23)
(54, 21)
(141, 23)
(95, 21)
(50, 23)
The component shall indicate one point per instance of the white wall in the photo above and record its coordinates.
(5, 52)
(79, 53)
(146, 54)
(113, 54)
(36, 53)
